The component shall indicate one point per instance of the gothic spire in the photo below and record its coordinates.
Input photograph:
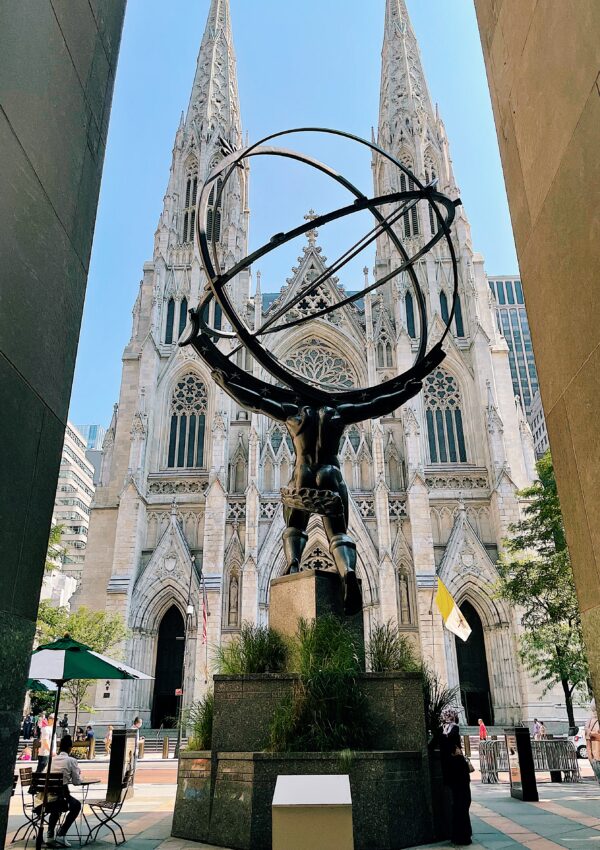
(405, 106)
(214, 102)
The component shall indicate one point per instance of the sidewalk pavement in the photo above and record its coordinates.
(567, 817)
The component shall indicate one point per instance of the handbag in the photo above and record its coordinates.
(470, 765)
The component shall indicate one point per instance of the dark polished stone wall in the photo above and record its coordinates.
(245, 705)
(57, 69)
(391, 796)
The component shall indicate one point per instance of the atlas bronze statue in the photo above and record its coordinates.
(315, 414)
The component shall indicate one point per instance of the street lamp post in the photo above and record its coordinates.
(188, 618)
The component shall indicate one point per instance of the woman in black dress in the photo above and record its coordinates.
(455, 773)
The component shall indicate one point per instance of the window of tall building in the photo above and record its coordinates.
(458, 318)
(182, 315)
(189, 212)
(170, 321)
(444, 418)
(186, 433)
(410, 315)
(213, 214)
(411, 218)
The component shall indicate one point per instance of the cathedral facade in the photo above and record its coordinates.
(190, 481)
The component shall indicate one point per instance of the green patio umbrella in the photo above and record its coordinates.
(40, 685)
(67, 659)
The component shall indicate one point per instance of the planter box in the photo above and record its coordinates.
(244, 707)
(391, 802)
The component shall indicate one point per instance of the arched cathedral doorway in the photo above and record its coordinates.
(169, 668)
(473, 670)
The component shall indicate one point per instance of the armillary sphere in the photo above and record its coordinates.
(388, 211)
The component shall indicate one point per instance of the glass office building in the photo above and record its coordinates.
(512, 321)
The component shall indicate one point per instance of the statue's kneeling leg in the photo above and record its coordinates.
(343, 552)
(294, 541)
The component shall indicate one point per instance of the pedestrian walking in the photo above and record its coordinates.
(28, 727)
(482, 730)
(45, 740)
(64, 725)
(137, 725)
(592, 739)
(63, 763)
(536, 729)
(455, 774)
(108, 740)
(543, 733)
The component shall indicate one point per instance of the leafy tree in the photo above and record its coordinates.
(535, 573)
(55, 550)
(97, 629)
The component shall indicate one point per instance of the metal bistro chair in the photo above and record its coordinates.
(107, 811)
(33, 810)
(27, 800)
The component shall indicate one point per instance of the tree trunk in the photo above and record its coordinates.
(74, 735)
(568, 701)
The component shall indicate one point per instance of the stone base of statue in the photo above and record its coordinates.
(308, 595)
(224, 796)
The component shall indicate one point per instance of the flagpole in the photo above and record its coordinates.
(188, 615)
(40, 835)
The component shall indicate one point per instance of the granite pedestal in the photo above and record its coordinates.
(308, 595)
(391, 799)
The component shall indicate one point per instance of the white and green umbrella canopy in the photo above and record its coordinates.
(67, 659)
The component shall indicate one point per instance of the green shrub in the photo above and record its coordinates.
(436, 697)
(390, 651)
(257, 649)
(327, 709)
(199, 717)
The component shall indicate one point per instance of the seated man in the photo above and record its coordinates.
(64, 763)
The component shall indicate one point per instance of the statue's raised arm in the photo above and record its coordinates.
(253, 400)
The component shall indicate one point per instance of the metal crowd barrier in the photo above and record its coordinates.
(548, 755)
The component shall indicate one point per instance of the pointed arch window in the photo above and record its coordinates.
(385, 357)
(186, 433)
(444, 306)
(443, 412)
(410, 315)
(170, 321)
(458, 318)
(182, 315)
(213, 214)
(218, 316)
(430, 175)
(189, 212)
(410, 218)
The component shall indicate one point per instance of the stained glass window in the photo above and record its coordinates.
(186, 433)
(444, 418)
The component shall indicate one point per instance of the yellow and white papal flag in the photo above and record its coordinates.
(453, 619)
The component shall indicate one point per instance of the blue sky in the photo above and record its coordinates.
(314, 62)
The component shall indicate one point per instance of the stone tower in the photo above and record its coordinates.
(190, 482)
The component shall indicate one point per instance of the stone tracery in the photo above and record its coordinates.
(319, 362)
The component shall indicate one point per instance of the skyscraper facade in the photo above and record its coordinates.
(190, 481)
(513, 325)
